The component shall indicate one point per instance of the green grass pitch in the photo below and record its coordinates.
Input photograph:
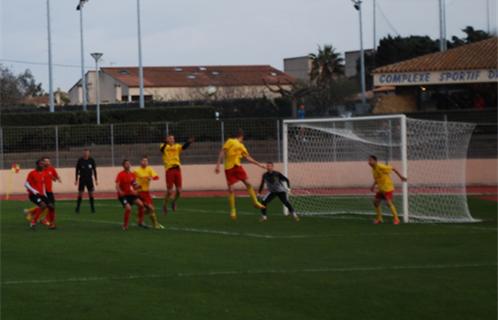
(204, 266)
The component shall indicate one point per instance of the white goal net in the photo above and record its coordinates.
(326, 162)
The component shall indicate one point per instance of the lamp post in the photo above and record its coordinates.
(50, 62)
(357, 6)
(140, 65)
(80, 6)
(442, 25)
(97, 56)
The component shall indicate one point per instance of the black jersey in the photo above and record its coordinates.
(85, 168)
(274, 181)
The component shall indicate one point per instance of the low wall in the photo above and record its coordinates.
(345, 174)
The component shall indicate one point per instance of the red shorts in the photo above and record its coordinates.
(174, 177)
(145, 197)
(384, 195)
(235, 175)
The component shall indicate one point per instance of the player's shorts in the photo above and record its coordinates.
(235, 175)
(51, 198)
(88, 184)
(38, 199)
(388, 196)
(174, 177)
(127, 200)
(145, 197)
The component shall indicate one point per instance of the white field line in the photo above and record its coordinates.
(249, 273)
(269, 236)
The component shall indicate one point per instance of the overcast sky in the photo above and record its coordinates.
(202, 32)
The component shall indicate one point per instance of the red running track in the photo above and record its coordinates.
(488, 193)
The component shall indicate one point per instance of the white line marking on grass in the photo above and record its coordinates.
(250, 272)
(270, 236)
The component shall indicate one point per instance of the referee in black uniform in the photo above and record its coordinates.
(86, 171)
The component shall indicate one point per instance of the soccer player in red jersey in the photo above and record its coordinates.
(51, 175)
(35, 185)
(126, 187)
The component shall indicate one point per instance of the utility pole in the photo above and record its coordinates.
(82, 44)
(140, 65)
(357, 6)
(50, 62)
(442, 25)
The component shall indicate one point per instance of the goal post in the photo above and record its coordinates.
(326, 162)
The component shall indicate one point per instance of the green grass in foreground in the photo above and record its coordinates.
(205, 266)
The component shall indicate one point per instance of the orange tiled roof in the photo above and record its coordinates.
(478, 55)
(199, 76)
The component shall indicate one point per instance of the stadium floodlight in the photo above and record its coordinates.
(79, 8)
(357, 6)
(326, 160)
(97, 56)
(50, 62)
(140, 65)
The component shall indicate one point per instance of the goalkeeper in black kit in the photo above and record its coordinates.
(278, 186)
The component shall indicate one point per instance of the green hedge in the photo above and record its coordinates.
(107, 116)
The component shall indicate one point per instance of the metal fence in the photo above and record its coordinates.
(111, 143)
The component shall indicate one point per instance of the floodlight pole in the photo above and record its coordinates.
(357, 6)
(82, 43)
(50, 62)
(140, 65)
(442, 25)
(97, 56)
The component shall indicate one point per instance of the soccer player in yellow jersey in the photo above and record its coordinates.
(232, 153)
(385, 188)
(171, 152)
(143, 176)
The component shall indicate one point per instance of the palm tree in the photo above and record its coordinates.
(325, 65)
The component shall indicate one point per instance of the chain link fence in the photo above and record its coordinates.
(111, 143)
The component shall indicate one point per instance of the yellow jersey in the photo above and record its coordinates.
(143, 177)
(381, 174)
(171, 155)
(234, 152)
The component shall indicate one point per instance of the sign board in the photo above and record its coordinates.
(437, 77)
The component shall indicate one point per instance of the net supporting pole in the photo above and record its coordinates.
(285, 145)
(279, 146)
(111, 127)
(57, 163)
(404, 167)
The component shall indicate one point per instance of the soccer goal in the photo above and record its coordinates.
(326, 162)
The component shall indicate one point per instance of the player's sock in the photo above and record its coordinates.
(231, 204)
(254, 197)
(45, 217)
(32, 210)
(78, 204)
(165, 204)
(153, 219)
(141, 215)
(92, 204)
(378, 213)
(51, 216)
(393, 211)
(36, 216)
(127, 215)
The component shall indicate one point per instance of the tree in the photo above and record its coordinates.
(325, 65)
(472, 35)
(14, 88)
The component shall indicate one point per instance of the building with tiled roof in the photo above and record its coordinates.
(462, 77)
(183, 83)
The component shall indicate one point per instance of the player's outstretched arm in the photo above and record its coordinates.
(256, 163)
(400, 176)
(187, 144)
(221, 156)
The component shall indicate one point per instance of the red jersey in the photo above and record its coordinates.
(50, 175)
(126, 181)
(35, 181)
